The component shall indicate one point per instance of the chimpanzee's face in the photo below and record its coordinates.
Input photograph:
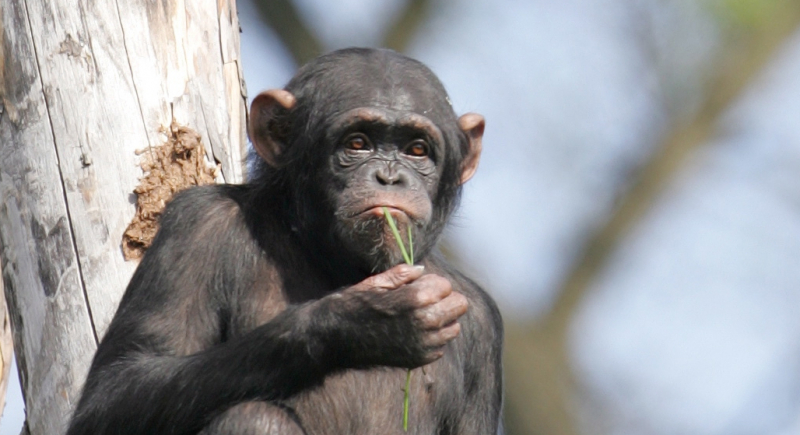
(359, 131)
(383, 157)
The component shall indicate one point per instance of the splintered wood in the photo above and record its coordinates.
(177, 164)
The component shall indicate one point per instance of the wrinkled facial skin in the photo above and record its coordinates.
(382, 158)
(356, 131)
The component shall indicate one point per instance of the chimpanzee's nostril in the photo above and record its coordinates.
(387, 176)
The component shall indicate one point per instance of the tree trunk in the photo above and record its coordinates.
(6, 348)
(84, 84)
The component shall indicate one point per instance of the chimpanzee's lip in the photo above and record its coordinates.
(377, 210)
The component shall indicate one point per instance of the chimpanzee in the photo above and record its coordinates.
(281, 306)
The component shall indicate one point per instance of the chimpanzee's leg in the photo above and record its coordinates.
(255, 418)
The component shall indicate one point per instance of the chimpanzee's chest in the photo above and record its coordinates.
(371, 401)
(368, 401)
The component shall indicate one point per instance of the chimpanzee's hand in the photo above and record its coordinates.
(398, 318)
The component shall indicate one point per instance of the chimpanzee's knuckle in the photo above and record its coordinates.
(442, 336)
(450, 332)
(395, 277)
(434, 355)
(427, 318)
(433, 341)
(402, 272)
(425, 296)
(459, 303)
(386, 279)
(441, 283)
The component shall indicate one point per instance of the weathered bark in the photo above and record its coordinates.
(83, 85)
(6, 348)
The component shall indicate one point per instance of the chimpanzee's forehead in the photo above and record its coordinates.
(375, 79)
(395, 93)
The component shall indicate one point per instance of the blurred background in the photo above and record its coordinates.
(636, 213)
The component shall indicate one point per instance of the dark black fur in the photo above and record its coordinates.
(239, 319)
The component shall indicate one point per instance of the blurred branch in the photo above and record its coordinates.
(406, 25)
(746, 56)
(283, 18)
(541, 400)
(539, 388)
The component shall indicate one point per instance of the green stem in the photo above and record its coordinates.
(409, 258)
(405, 401)
(410, 246)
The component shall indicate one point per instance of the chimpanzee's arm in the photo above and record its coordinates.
(163, 366)
(145, 393)
(482, 335)
(166, 366)
(479, 349)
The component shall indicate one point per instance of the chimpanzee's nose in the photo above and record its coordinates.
(388, 175)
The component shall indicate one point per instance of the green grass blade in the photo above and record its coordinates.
(405, 401)
(396, 233)
(409, 260)
(410, 245)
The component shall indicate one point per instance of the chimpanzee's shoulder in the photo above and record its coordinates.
(214, 195)
(213, 207)
(204, 199)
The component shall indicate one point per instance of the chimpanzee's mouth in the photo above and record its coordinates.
(377, 211)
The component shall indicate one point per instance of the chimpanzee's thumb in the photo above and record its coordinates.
(393, 278)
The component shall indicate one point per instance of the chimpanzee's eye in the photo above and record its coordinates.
(357, 143)
(417, 149)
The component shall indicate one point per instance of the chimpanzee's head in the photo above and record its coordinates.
(357, 130)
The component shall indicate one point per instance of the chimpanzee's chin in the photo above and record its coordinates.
(370, 243)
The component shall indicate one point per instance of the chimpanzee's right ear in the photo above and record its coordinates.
(261, 112)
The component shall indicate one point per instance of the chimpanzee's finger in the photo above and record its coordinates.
(442, 336)
(444, 312)
(393, 278)
(431, 289)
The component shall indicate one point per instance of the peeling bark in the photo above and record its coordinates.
(83, 85)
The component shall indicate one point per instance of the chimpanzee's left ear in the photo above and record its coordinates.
(261, 112)
(472, 124)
